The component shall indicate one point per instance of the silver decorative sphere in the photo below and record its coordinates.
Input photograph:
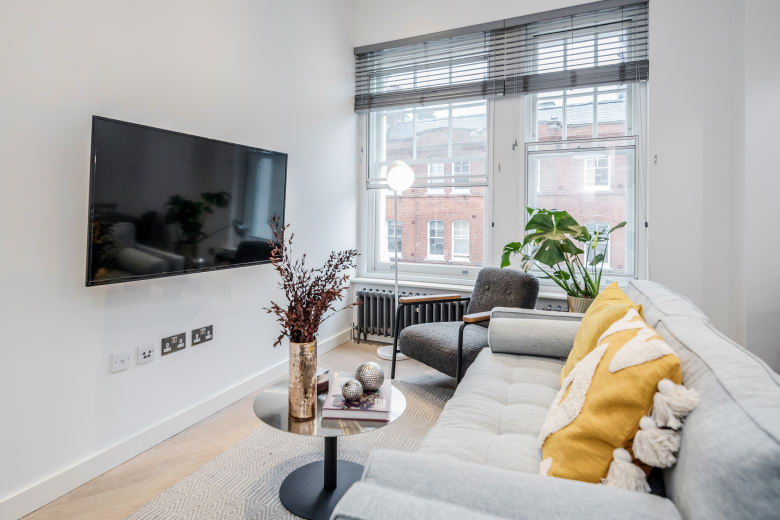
(370, 375)
(352, 390)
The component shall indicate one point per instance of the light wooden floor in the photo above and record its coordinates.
(123, 490)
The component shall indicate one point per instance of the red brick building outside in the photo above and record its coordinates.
(446, 225)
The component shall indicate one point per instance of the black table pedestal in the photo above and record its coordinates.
(313, 490)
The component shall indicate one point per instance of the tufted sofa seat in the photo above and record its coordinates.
(495, 417)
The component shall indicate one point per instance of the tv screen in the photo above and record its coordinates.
(163, 203)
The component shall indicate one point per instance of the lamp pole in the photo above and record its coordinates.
(399, 177)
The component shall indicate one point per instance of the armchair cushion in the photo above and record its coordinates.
(497, 287)
(436, 344)
(532, 337)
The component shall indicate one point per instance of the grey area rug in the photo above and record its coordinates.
(243, 482)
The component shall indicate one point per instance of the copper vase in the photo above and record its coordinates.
(303, 381)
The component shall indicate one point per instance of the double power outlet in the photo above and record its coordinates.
(120, 360)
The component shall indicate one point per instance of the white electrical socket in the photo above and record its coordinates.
(145, 353)
(120, 360)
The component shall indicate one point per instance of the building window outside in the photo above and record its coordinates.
(602, 249)
(597, 173)
(436, 169)
(391, 239)
(461, 168)
(436, 239)
(460, 239)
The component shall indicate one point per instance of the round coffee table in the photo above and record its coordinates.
(313, 490)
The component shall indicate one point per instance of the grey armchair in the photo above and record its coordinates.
(452, 346)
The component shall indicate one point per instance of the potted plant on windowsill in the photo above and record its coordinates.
(311, 294)
(550, 242)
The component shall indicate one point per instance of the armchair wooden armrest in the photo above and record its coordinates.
(477, 317)
(429, 298)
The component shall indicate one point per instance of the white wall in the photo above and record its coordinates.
(762, 169)
(710, 180)
(236, 71)
(695, 130)
(379, 21)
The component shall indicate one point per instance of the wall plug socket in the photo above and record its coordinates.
(145, 353)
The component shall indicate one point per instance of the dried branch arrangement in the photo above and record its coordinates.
(310, 293)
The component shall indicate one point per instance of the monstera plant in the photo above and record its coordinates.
(551, 245)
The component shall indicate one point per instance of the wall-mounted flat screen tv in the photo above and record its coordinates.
(163, 203)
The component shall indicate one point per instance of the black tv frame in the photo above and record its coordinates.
(91, 211)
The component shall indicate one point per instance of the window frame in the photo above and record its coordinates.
(431, 256)
(596, 187)
(458, 190)
(460, 257)
(435, 191)
(398, 230)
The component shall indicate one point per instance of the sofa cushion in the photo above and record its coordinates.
(532, 337)
(436, 344)
(497, 412)
(657, 302)
(602, 400)
(610, 305)
(729, 460)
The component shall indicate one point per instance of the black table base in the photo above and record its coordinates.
(313, 490)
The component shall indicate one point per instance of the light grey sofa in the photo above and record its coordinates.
(481, 460)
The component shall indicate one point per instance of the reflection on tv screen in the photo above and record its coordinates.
(164, 203)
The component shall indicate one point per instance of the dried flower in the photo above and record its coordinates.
(310, 293)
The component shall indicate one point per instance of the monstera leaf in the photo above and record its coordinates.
(552, 231)
(550, 241)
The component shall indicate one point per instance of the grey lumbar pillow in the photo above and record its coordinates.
(532, 337)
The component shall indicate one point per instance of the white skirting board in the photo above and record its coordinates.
(51, 488)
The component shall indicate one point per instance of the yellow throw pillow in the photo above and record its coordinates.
(602, 401)
(610, 305)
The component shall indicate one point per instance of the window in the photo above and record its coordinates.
(597, 173)
(436, 169)
(391, 238)
(583, 160)
(446, 147)
(460, 239)
(461, 168)
(436, 239)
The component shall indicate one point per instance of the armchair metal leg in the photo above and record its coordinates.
(395, 340)
(459, 366)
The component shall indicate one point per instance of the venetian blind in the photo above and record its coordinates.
(604, 46)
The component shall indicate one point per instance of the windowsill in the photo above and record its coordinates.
(461, 260)
(548, 295)
(416, 284)
(435, 258)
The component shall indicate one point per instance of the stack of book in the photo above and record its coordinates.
(372, 406)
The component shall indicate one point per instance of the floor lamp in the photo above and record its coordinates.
(399, 177)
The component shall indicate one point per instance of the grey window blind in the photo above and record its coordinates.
(605, 46)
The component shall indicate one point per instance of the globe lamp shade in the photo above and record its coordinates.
(399, 176)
